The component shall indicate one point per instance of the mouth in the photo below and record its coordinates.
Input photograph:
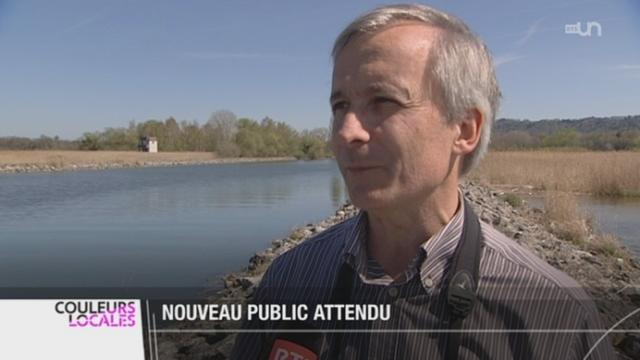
(360, 169)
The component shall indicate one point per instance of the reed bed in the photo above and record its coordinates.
(597, 173)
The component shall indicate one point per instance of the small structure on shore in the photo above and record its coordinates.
(148, 144)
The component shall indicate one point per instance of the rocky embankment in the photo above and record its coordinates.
(612, 281)
(62, 166)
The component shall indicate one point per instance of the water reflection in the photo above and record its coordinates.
(175, 226)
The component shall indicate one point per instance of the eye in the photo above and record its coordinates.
(384, 100)
(384, 105)
(339, 106)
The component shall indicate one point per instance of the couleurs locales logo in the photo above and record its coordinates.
(98, 313)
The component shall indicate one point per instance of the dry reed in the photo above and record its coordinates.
(565, 218)
(597, 173)
(568, 221)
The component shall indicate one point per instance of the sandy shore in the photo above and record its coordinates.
(29, 161)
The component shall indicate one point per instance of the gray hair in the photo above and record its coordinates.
(460, 66)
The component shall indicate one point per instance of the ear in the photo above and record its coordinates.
(468, 133)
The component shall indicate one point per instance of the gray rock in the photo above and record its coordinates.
(167, 350)
(250, 281)
(226, 345)
(631, 345)
(631, 292)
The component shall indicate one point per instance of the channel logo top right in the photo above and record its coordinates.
(577, 28)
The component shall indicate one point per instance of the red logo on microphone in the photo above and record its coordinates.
(287, 350)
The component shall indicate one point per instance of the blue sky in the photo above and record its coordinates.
(67, 67)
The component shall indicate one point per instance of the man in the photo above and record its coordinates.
(413, 97)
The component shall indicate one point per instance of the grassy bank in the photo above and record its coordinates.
(598, 173)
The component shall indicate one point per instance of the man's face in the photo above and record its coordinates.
(392, 144)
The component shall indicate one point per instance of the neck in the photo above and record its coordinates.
(396, 233)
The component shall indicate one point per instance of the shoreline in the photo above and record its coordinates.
(56, 161)
(610, 280)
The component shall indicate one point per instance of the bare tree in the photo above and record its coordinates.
(225, 124)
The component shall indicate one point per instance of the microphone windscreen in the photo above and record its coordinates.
(288, 350)
(303, 345)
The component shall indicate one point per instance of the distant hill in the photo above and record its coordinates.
(585, 125)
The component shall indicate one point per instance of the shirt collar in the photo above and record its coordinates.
(439, 248)
(355, 243)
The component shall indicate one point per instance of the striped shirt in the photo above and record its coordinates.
(525, 308)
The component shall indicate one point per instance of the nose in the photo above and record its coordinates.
(350, 130)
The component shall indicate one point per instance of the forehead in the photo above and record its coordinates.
(397, 51)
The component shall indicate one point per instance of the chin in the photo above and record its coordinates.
(368, 200)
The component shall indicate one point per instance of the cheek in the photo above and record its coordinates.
(332, 145)
(336, 146)
(426, 156)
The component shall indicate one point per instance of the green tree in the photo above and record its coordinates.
(173, 136)
(90, 141)
(314, 144)
(563, 138)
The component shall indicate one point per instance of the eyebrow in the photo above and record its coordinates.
(377, 88)
(383, 87)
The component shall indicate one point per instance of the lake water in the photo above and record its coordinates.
(151, 231)
(159, 227)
